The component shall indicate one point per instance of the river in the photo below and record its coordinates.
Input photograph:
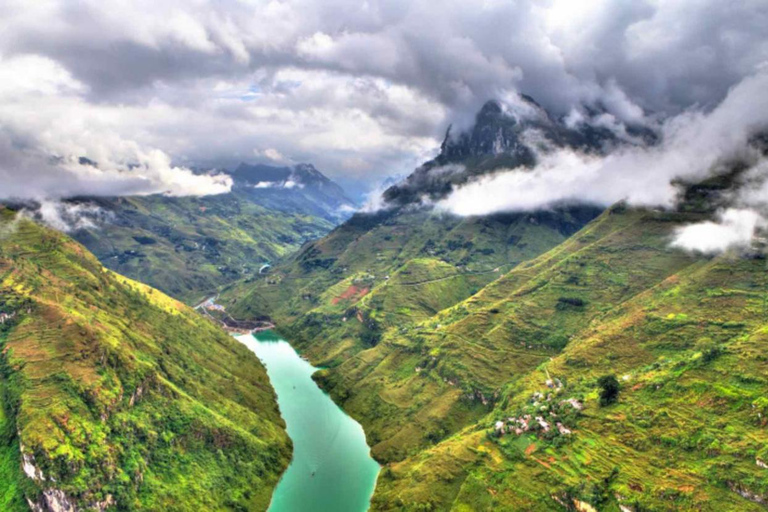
(332, 468)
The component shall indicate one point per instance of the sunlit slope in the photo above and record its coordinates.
(118, 394)
(685, 336)
(190, 246)
(418, 262)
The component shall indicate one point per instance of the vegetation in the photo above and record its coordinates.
(117, 395)
(609, 389)
(556, 360)
(188, 247)
(683, 335)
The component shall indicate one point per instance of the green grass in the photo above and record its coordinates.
(119, 391)
(684, 335)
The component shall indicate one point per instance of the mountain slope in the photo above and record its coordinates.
(684, 336)
(473, 350)
(117, 394)
(188, 247)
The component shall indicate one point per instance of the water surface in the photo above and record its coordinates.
(332, 469)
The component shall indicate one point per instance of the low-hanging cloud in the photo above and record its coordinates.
(66, 216)
(733, 228)
(692, 145)
(63, 148)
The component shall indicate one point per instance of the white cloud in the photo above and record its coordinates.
(734, 228)
(272, 155)
(34, 75)
(691, 146)
(340, 81)
(66, 217)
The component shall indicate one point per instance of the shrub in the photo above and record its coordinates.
(570, 302)
(609, 391)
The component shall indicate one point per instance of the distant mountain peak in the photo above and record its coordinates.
(490, 107)
(285, 186)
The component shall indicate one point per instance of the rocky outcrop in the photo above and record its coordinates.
(53, 500)
(28, 465)
(747, 494)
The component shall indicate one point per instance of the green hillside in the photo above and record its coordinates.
(684, 336)
(115, 394)
(415, 248)
(188, 247)
(429, 374)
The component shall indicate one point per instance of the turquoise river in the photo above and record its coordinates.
(332, 469)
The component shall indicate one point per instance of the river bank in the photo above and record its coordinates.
(218, 314)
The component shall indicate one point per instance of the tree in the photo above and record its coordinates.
(609, 389)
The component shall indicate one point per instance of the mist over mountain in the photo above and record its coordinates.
(366, 90)
(300, 187)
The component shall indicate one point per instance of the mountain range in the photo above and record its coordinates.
(474, 350)
(567, 358)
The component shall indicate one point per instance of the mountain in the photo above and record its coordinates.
(682, 335)
(372, 246)
(298, 188)
(566, 359)
(505, 136)
(115, 396)
(188, 247)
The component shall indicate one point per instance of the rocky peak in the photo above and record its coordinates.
(303, 174)
(307, 174)
(495, 132)
(513, 129)
(504, 135)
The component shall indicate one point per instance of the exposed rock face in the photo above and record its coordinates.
(746, 493)
(53, 500)
(302, 182)
(28, 465)
(495, 132)
(503, 136)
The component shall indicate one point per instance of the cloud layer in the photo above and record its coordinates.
(362, 89)
(691, 147)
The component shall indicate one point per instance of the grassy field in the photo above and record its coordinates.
(120, 394)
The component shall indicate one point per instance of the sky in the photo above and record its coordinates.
(362, 89)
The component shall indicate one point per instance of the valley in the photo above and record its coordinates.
(189, 247)
(470, 350)
(383, 256)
